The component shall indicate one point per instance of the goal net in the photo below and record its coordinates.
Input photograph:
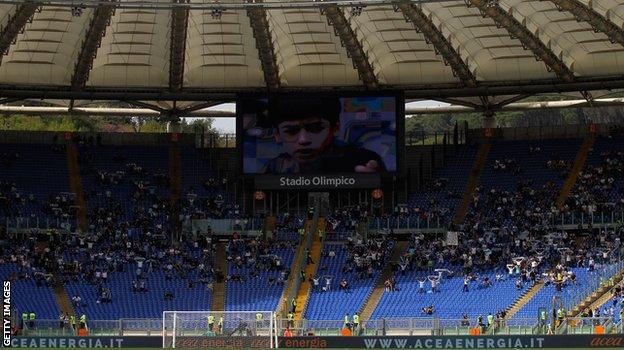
(219, 329)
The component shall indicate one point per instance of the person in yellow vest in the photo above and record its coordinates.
(293, 303)
(24, 320)
(211, 323)
(490, 320)
(291, 319)
(83, 321)
(356, 323)
(347, 322)
(31, 320)
(320, 232)
(301, 232)
(72, 322)
(258, 320)
(560, 316)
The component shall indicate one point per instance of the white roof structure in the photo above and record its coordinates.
(193, 50)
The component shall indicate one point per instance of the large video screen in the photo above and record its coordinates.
(318, 134)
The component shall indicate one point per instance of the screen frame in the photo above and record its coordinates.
(399, 119)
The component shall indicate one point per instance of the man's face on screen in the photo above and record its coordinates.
(305, 139)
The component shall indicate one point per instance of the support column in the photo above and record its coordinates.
(489, 119)
(174, 126)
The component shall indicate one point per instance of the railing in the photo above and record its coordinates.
(225, 226)
(209, 140)
(409, 223)
(28, 223)
(585, 325)
(417, 137)
(601, 276)
(121, 327)
(515, 326)
(615, 218)
(405, 326)
(600, 218)
(339, 235)
(222, 226)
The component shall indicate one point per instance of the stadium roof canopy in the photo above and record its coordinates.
(481, 52)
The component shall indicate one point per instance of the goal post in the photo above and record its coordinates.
(219, 329)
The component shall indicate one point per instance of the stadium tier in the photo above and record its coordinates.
(130, 182)
(348, 173)
(258, 273)
(36, 294)
(436, 204)
(357, 266)
(515, 254)
(41, 197)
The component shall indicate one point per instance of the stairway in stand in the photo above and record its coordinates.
(75, 184)
(219, 288)
(575, 172)
(473, 181)
(375, 296)
(524, 299)
(310, 270)
(270, 224)
(60, 293)
(62, 297)
(600, 297)
(284, 304)
(175, 187)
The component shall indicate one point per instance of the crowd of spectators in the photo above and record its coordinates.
(54, 209)
(91, 258)
(599, 187)
(248, 257)
(526, 257)
(346, 218)
(130, 212)
(131, 218)
(216, 205)
(363, 259)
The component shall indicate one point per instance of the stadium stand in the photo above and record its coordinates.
(258, 271)
(125, 268)
(453, 223)
(345, 277)
(600, 188)
(417, 268)
(129, 182)
(436, 205)
(520, 183)
(41, 198)
(36, 294)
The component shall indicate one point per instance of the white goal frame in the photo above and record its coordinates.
(172, 317)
